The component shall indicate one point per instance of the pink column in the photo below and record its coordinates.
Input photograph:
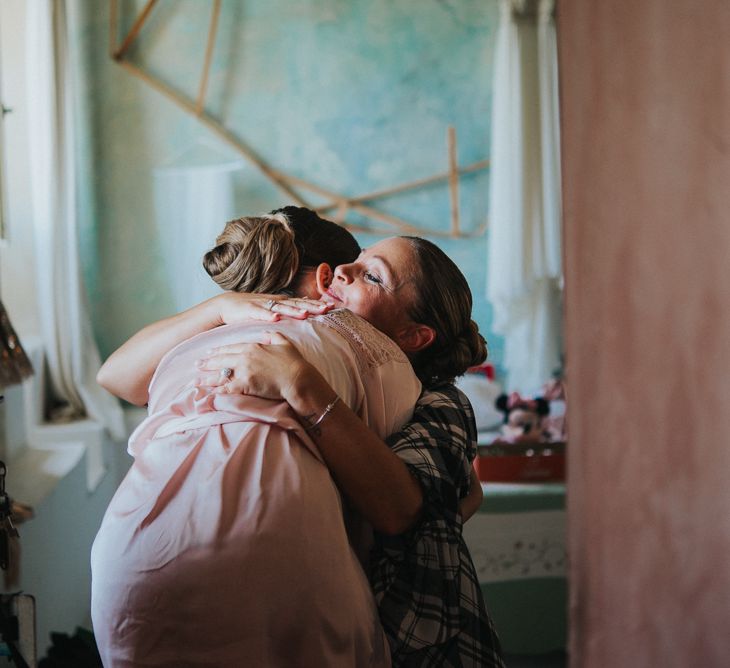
(645, 103)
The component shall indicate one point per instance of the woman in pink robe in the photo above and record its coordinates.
(225, 544)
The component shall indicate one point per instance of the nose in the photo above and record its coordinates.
(343, 272)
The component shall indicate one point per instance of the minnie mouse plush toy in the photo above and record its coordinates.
(523, 418)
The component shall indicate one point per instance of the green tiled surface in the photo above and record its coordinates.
(526, 497)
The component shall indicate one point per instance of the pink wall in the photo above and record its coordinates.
(645, 98)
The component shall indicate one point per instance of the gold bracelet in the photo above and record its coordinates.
(326, 412)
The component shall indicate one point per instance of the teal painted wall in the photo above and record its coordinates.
(354, 95)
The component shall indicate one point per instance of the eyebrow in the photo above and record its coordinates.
(386, 264)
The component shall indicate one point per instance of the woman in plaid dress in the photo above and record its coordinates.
(420, 569)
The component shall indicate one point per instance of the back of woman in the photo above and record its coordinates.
(226, 539)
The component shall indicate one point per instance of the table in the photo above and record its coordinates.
(517, 542)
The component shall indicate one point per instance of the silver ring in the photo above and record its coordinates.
(270, 304)
(227, 372)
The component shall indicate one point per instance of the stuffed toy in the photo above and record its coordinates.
(556, 424)
(523, 418)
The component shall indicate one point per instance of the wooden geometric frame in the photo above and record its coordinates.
(340, 205)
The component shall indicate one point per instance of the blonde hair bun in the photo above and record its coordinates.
(254, 254)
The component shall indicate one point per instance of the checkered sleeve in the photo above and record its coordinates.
(424, 581)
(439, 446)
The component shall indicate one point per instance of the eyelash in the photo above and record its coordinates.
(372, 278)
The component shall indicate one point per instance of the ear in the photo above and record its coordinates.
(323, 276)
(415, 337)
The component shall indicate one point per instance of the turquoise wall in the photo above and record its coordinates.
(354, 95)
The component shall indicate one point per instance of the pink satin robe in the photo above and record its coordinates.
(225, 544)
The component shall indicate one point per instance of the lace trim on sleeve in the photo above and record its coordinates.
(372, 348)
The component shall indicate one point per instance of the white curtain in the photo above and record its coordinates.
(71, 351)
(524, 274)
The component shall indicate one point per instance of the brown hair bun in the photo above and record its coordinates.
(443, 301)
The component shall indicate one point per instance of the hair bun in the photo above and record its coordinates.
(445, 306)
(254, 254)
(475, 345)
(468, 349)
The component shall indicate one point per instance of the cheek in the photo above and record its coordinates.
(356, 298)
(362, 303)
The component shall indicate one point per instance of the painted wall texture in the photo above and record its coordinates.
(353, 95)
(646, 167)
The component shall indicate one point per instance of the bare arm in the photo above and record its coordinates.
(128, 370)
(376, 481)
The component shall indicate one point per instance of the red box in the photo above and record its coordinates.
(544, 462)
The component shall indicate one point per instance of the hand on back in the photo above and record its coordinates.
(236, 307)
(267, 366)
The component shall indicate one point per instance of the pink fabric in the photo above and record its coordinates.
(225, 544)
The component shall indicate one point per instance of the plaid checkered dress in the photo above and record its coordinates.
(425, 584)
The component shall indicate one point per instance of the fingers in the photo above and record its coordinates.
(218, 362)
(305, 304)
(261, 369)
(236, 348)
(218, 382)
(278, 339)
(235, 307)
(230, 387)
(210, 379)
(293, 307)
(247, 346)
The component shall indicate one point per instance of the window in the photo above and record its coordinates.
(17, 275)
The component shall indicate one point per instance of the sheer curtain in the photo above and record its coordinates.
(524, 259)
(69, 345)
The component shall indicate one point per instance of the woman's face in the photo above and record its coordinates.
(378, 286)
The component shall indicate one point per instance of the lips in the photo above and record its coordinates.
(332, 295)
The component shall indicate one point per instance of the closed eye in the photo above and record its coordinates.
(372, 278)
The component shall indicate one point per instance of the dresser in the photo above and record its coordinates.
(517, 542)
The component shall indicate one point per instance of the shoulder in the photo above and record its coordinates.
(440, 442)
(372, 348)
(443, 400)
(443, 423)
(444, 417)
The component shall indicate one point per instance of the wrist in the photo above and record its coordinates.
(217, 308)
(313, 422)
(308, 393)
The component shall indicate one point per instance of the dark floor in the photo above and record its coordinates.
(551, 660)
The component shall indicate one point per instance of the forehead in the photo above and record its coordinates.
(395, 251)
